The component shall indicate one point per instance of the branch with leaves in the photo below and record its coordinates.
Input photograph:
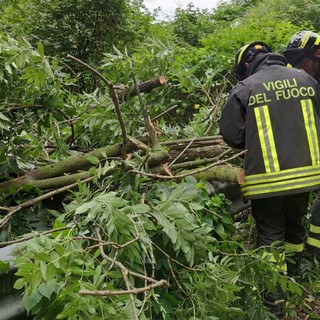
(125, 274)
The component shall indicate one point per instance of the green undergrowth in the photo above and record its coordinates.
(177, 237)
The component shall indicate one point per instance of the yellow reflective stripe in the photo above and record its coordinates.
(283, 174)
(314, 229)
(262, 140)
(267, 143)
(292, 247)
(280, 264)
(280, 186)
(305, 40)
(241, 52)
(317, 41)
(313, 242)
(279, 301)
(309, 121)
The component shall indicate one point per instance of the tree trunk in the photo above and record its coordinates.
(182, 154)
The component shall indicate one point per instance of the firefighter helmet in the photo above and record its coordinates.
(246, 54)
(301, 45)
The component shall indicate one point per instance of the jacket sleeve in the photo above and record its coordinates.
(315, 84)
(232, 121)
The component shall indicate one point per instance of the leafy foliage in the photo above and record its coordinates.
(167, 236)
(81, 28)
(32, 90)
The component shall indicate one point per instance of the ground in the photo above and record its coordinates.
(311, 310)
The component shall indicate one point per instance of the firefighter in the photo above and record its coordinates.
(273, 113)
(303, 52)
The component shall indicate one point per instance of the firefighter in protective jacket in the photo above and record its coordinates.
(303, 52)
(274, 114)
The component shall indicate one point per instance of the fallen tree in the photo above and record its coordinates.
(183, 155)
(205, 158)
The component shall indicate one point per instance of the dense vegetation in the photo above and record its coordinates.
(121, 231)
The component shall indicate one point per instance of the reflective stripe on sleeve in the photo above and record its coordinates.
(309, 121)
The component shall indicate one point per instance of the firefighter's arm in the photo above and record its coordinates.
(232, 122)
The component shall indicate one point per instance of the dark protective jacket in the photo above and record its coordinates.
(274, 115)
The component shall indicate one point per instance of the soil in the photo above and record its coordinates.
(310, 311)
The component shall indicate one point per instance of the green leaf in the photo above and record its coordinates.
(195, 206)
(42, 256)
(43, 269)
(93, 160)
(48, 290)
(140, 208)
(8, 68)
(4, 266)
(177, 192)
(19, 284)
(86, 207)
(168, 227)
(3, 117)
(47, 69)
(50, 272)
(40, 49)
(31, 301)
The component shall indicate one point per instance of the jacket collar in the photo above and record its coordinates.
(264, 59)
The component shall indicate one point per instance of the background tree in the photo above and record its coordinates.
(192, 24)
(84, 29)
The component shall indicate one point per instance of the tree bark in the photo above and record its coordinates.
(75, 168)
(60, 169)
(225, 173)
(194, 153)
(144, 87)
